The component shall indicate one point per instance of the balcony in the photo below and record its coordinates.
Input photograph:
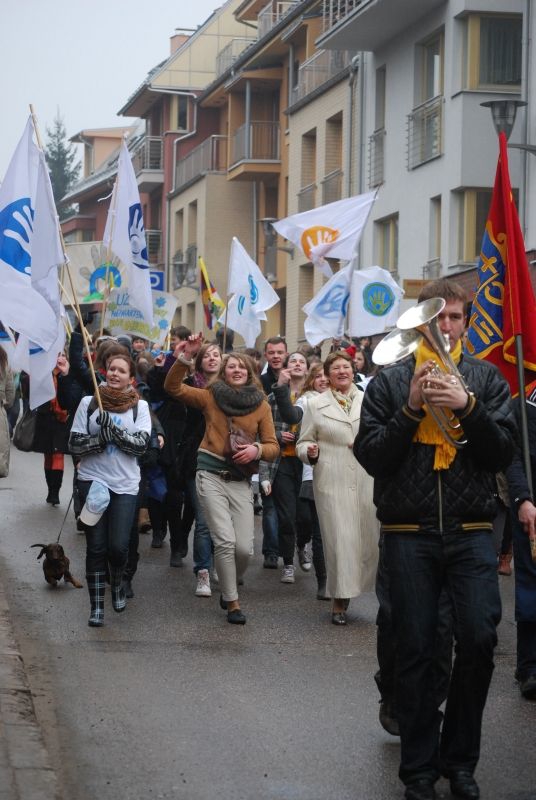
(209, 156)
(332, 187)
(271, 14)
(425, 132)
(255, 151)
(319, 69)
(376, 156)
(154, 247)
(307, 197)
(228, 55)
(148, 163)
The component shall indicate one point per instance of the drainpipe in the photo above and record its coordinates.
(168, 200)
(354, 66)
(254, 206)
(247, 140)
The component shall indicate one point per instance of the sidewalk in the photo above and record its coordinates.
(25, 769)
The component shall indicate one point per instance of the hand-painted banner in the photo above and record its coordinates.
(122, 318)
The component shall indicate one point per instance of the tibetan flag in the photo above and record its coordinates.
(213, 305)
(504, 304)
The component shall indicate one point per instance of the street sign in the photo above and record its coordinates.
(157, 280)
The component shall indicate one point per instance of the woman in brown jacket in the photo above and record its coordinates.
(235, 399)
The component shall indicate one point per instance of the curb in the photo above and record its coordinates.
(25, 769)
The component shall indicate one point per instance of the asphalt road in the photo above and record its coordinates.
(170, 701)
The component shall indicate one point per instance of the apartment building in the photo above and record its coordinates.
(423, 136)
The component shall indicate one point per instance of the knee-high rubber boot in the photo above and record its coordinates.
(118, 590)
(96, 585)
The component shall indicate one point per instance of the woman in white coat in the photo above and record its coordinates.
(342, 489)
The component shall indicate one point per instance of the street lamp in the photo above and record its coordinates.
(503, 114)
(270, 238)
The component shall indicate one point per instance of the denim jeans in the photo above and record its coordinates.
(419, 566)
(107, 541)
(291, 509)
(270, 536)
(202, 540)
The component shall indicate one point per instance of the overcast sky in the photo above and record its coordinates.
(85, 58)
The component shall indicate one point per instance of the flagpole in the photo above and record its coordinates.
(66, 264)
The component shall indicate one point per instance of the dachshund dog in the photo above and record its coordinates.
(56, 564)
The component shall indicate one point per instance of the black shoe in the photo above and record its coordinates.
(80, 527)
(175, 559)
(235, 617)
(462, 784)
(158, 540)
(321, 593)
(527, 687)
(388, 719)
(270, 561)
(339, 618)
(223, 603)
(127, 588)
(420, 790)
(53, 498)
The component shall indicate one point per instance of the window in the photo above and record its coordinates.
(434, 251)
(473, 214)
(179, 230)
(493, 52)
(307, 193)
(182, 113)
(379, 112)
(387, 243)
(425, 123)
(429, 69)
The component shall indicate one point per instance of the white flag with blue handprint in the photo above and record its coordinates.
(326, 312)
(252, 295)
(22, 307)
(125, 235)
(375, 300)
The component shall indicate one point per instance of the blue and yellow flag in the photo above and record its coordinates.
(504, 305)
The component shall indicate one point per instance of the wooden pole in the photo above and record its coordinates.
(112, 210)
(83, 330)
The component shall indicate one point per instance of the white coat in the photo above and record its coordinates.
(343, 495)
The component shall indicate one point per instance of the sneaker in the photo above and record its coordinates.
(304, 557)
(203, 584)
(287, 576)
(270, 561)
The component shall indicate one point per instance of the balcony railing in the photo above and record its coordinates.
(307, 197)
(335, 10)
(149, 155)
(154, 246)
(209, 156)
(318, 69)
(376, 157)
(228, 55)
(332, 187)
(258, 141)
(271, 14)
(425, 132)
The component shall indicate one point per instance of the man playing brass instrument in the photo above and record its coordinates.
(435, 501)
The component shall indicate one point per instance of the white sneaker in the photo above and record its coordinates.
(215, 578)
(304, 557)
(287, 576)
(203, 584)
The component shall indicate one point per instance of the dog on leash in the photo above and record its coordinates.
(56, 564)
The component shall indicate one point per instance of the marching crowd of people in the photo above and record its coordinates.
(355, 479)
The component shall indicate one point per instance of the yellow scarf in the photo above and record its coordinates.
(428, 431)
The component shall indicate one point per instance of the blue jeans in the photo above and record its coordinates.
(107, 541)
(270, 534)
(419, 566)
(525, 586)
(202, 540)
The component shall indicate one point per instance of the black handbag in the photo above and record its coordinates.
(24, 433)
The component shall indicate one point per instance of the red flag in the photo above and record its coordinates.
(504, 304)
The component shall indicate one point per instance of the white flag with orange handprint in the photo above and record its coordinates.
(330, 231)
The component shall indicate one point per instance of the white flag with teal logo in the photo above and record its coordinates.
(375, 300)
(326, 312)
(125, 235)
(330, 231)
(28, 239)
(252, 295)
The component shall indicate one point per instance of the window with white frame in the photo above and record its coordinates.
(493, 51)
(473, 213)
(425, 123)
(182, 112)
(387, 242)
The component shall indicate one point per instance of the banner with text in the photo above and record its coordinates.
(122, 318)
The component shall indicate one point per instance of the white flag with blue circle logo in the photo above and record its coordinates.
(28, 239)
(326, 312)
(251, 293)
(375, 300)
(125, 235)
